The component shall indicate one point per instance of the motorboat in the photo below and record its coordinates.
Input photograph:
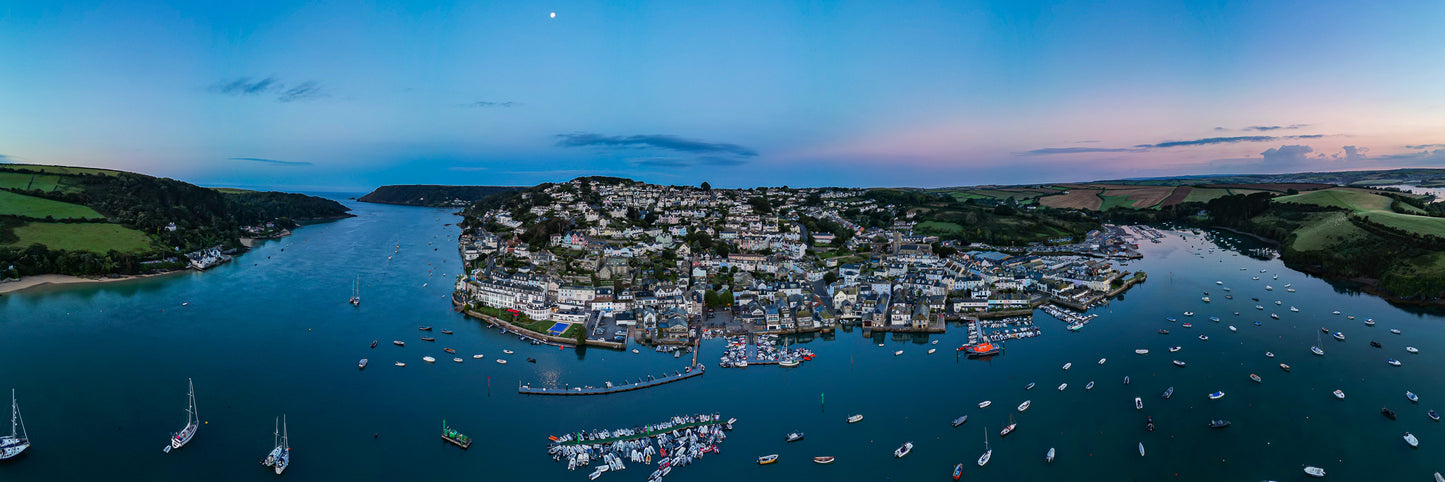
(957, 471)
(1410, 439)
(478, 356)
(1339, 336)
(1049, 457)
(1393, 362)
(1090, 386)
(428, 338)
(424, 328)
(1169, 392)
(1375, 344)
(985, 404)
(1189, 313)
(361, 364)
(1214, 319)
(1142, 351)
(1395, 331)
(1173, 349)
(1068, 365)
(903, 450)
(1370, 322)
(1315, 471)
(1274, 315)
(1269, 354)
(1149, 424)
(899, 352)
(428, 359)
(450, 350)
(1188, 325)
(1216, 395)
(373, 343)
(398, 342)
(1316, 350)
(1293, 309)
(932, 351)
(457, 359)
(1163, 332)
(1433, 415)
(794, 437)
(1340, 394)
(1390, 414)
(1179, 363)
(1232, 328)
(1141, 449)
(446, 332)
(509, 352)
(1412, 349)
(501, 361)
(400, 364)
(1030, 386)
(1284, 367)
(1255, 378)
(1126, 379)
(1204, 337)
(1218, 423)
(855, 418)
(1138, 403)
(767, 459)
(1025, 405)
(960, 420)
(1413, 398)
(826, 459)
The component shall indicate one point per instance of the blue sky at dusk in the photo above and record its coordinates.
(351, 95)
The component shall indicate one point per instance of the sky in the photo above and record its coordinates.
(350, 95)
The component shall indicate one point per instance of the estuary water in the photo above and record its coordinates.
(101, 375)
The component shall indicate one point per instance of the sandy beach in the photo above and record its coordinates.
(61, 279)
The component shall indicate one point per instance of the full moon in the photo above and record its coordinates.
(554, 14)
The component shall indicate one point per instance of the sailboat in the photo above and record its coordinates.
(1316, 348)
(17, 441)
(356, 292)
(987, 452)
(193, 420)
(276, 441)
(285, 458)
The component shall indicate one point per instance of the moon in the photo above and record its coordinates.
(554, 14)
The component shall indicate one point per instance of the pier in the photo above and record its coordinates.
(610, 388)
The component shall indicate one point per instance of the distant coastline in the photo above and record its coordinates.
(429, 195)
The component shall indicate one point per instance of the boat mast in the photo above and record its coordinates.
(285, 435)
(191, 409)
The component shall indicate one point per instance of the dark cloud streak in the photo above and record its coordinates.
(1077, 150)
(272, 161)
(667, 142)
(487, 103)
(244, 87)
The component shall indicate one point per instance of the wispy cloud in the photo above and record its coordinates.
(721, 161)
(272, 161)
(1425, 146)
(488, 103)
(1275, 128)
(1209, 140)
(466, 168)
(4, 159)
(666, 142)
(270, 86)
(1076, 150)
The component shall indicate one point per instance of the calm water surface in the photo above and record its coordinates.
(101, 374)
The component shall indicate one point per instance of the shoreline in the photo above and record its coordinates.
(27, 282)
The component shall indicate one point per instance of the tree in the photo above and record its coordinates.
(582, 335)
(711, 299)
(830, 277)
(706, 186)
(726, 298)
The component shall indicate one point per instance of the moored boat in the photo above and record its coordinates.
(398, 342)
(1030, 386)
(180, 439)
(1173, 349)
(1433, 415)
(1269, 354)
(283, 459)
(456, 438)
(1393, 362)
(1169, 392)
(826, 459)
(855, 418)
(767, 459)
(1178, 363)
(794, 437)
(428, 359)
(985, 403)
(1142, 351)
(18, 440)
(1340, 394)
(361, 364)
(960, 420)
(1410, 439)
(1216, 395)
(1049, 457)
(903, 450)
(1141, 449)
(1255, 378)
(1218, 423)
(1390, 414)
(1412, 397)
(1025, 405)
(1284, 367)
(1412, 349)
(1062, 386)
(1138, 403)
(1313, 471)
(957, 471)
(400, 364)
(1090, 386)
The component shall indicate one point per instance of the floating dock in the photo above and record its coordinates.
(611, 388)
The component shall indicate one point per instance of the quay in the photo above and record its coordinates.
(611, 388)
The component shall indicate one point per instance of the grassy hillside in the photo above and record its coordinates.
(13, 204)
(112, 220)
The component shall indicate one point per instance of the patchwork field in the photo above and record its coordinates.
(1351, 199)
(31, 206)
(95, 237)
(1075, 199)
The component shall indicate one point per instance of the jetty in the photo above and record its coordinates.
(610, 388)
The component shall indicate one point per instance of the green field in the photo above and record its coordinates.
(25, 181)
(1111, 202)
(1418, 224)
(1330, 229)
(231, 190)
(938, 227)
(35, 207)
(95, 237)
(60, 169)
(1340, 198)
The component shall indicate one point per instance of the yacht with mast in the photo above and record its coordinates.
(193, 421)
(285, 458)
(18, 440)
(356, 292)
(276, 442)
(987, 452)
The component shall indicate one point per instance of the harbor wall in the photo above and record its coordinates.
(540, 336)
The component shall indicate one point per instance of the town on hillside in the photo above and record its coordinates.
(602, 261)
